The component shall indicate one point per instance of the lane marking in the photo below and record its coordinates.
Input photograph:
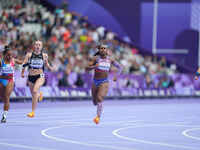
(116, 133)
(185, 133)
(44, 133)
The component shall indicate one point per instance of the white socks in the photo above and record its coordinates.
(5, 113)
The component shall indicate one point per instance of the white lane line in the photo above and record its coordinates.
(43, 122)
(55, 118)
(44, 133)
(29, 147)
(24, 146)
(51, 115)
(72, 122)
(62, 118)
(39, 111)
(116, 133)
(185, 133)
(38, 118)
(47, 121)
(46, 118)
(65, 111)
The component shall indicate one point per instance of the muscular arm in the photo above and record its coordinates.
(118, 66)
(47, 62)
(17, 61)
(25, 63)
(91, 64)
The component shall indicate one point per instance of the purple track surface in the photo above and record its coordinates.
(125, 125)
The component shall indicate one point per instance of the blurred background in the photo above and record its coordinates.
(157, 42)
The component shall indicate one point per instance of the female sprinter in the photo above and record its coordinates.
(36, 61)
(7, 63)
(101, 63)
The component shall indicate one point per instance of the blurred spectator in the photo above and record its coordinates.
(148, 82)
(79, 82)
(70, 40)
(166, 82)
(63, 82)
(163, 62)
(65, 5)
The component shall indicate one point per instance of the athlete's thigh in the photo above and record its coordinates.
(1, 90)
(103, 89)
(39, 82)
(94, 94)
(94, 90)
(9, 88)
(31, 85)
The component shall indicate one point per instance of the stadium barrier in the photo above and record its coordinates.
(126, 87)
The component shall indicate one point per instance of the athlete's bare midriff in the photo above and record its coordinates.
(33, 72)
(100, 75)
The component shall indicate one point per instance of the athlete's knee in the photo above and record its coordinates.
(6, 101)
(34, 92)
(94, 101)
(99, 98)
(6, 97)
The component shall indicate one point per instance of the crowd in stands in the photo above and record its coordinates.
(70, 40)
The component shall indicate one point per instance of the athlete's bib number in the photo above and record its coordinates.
(41, 75)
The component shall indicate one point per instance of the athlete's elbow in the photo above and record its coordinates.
(88, 69)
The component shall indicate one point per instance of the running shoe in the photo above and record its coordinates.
(96, 120)
(31, 114)
(3, 120)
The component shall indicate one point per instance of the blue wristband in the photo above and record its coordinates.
(25, 65)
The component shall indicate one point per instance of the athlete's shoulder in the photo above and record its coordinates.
(95, 58)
